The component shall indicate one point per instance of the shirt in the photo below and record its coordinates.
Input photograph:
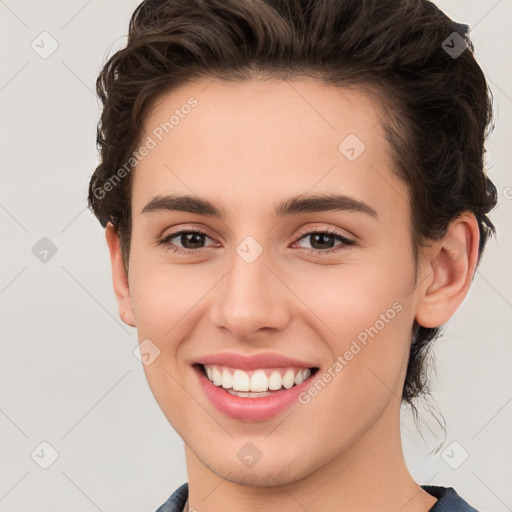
(447, 500)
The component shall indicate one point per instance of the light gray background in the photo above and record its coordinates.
(68, 373)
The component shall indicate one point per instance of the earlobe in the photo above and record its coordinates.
(119, 277)
(451, 266)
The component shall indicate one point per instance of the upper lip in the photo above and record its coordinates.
(252, 362)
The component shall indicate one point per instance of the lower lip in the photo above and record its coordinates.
(250, 409)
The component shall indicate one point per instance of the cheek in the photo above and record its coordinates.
(163, 300)
(353, 299)
(163, 296)
(369, 317)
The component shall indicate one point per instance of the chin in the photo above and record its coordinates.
(269, 471)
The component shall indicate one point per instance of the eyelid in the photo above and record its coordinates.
(332, 231)
(187, 229)
(305, 231)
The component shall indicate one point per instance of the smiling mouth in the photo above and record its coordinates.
(257, 383)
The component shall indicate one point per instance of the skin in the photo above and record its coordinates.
(246, 146)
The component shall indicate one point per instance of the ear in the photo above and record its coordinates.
(450, 267)
(119, 277)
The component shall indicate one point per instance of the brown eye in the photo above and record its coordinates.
(190, 240)
(323, 242)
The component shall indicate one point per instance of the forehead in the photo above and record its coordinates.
(236, 142)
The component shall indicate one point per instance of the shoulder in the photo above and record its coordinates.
(447, 500)
(176, 501)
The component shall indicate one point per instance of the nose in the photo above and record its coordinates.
(252, 301)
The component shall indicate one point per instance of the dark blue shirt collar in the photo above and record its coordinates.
(447, 500)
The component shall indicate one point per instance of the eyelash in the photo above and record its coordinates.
(314, 252)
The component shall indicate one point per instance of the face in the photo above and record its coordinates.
(310, 307)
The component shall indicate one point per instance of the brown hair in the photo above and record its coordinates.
(437, 103)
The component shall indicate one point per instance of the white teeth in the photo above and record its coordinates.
(248, 394)
(289, 379)
(216, 376)
(227, 380)
(302, 375)
(275, 382)
(259, 381)
(240, 383)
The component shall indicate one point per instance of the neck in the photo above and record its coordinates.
(369, 475)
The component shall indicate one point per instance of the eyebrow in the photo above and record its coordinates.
(291, 206)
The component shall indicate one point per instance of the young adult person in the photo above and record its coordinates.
(294, 198)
